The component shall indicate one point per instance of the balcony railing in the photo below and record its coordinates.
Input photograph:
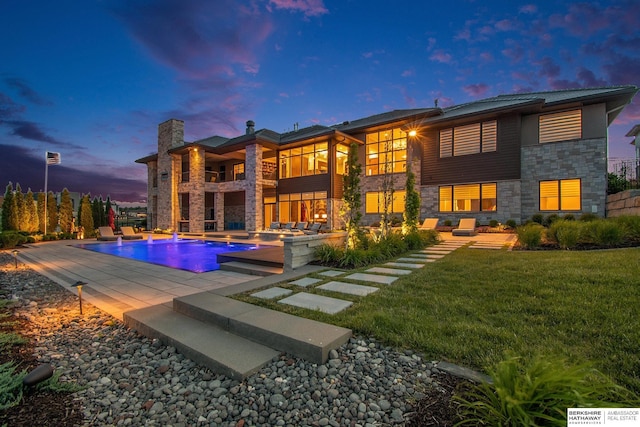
(624, 174)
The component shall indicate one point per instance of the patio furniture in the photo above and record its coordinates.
(301, 226)
(106, 234)
(289, 226)
(429, 224)
(129, 234)
(313, 228)
(466, 227)
(274, 226)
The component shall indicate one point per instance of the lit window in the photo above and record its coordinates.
(304, 161)
(342, 155)
(562, 126)
(386, 152)
(374, 202)
(303, 207)
(560, 195)
(238, 171)
(469, 139)
(468, 198)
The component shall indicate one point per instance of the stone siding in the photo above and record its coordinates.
(624, 203)
(300, 250)
(585, 159)
(170, 134)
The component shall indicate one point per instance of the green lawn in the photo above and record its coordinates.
(475, 307)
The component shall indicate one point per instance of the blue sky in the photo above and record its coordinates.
(93, 79)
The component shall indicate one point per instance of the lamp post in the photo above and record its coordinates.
(79, 285)
(15, 253)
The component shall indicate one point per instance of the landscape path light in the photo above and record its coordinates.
(15, 253)
(79, 285)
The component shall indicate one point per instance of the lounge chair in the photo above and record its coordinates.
(466, 227)
(129, 234)
(301, 226)
(289, 226)
(429, 224)
(274, 226)
(106, 234)
(313, 228)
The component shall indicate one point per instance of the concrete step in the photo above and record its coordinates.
(304, 338)
(247, 268)
(204, 343)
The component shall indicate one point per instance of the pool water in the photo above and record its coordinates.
(197, 256)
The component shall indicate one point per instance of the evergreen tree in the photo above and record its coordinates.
(31, 212)
(66, 211)
(8, 212)
(52, 213)
(95, 211)
(103, 216)
(21, 216)
(352, 198)
(41, 216)
(107, 208)
(411, 203)
(85, 218)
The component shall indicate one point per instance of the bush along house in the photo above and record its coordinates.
(500, 158)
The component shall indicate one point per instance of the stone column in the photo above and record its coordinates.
(253, 213)
(219, 210)
(170, 135)
(196, 190)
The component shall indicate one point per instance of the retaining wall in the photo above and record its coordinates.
(624, 203)
(299, 250)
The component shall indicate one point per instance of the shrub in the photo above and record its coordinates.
(550, 219)
(630, 225)
(10, 385)
(530, 235)
(448, 223)
(493, 223)
(511, 223)
(11, 239)
(605, 232)
(49, 237)
(328, 254)
(538, 218)
(565, 233)
(588, 217)
(569, 217)
(538, 394)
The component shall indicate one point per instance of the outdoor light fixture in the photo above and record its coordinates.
(412, 133)
(15, 253)
(79, 285)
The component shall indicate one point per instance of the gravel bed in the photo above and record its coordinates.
(129, 379)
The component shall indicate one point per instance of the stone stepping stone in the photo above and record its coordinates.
(484, 247)
(403, 265)
(422, 257)
(331, 273)
(348, 288)
(410, 260)
(305, 281)
(435, 256)
(387, 280)
(272, 293)
(316, 302)
(383, 270)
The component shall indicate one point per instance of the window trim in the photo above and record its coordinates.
(467, 135)
(396, 193)
(560, 195)
(451, 193)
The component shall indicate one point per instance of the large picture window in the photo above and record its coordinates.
(563, 126)
(469, 139)
(374, 202)
(560, 195)
(303, 207)
(468, 198)
(304, 161)
(386, 152)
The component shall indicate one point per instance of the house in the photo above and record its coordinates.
(501, 158)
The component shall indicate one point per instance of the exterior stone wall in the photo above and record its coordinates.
(585, 159)
(300, 250)
(624, 203)
(508, 205)
(253, 188)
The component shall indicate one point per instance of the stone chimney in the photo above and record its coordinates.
(251, 127)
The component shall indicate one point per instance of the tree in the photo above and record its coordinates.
(85, 218)
(352, 198)
(411, 204)
(103, 213)
(107, 209)
(9, 220)
(21, 218)
(66, 211)
(41, 216)
(31, 213)
(95, 211)
(52, 212)
(387, 194)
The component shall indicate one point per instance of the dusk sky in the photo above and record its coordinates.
(92, 79)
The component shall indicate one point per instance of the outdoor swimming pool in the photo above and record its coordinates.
(197, 256)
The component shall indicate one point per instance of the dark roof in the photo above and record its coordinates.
(388, 117)
(212, 141)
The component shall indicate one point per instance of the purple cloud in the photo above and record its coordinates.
(440, 56)
(476, 90)
(529, 8)
(26, 91)
(308, 7)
